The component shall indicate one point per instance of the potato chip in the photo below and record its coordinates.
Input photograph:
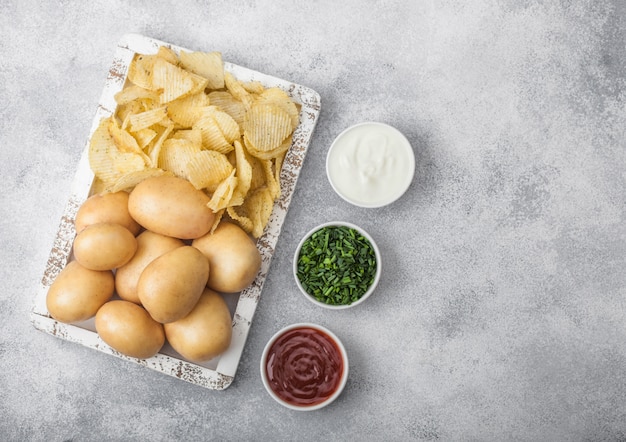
(244, 170)
(212, 136)
(225, 101)
(223, 193)
(235, 87)
(101, 148)
(127, 162)
(148, 118)
(206, 64)
(273, 186)
(207, 169)
(140, 71)
(105, 159)
(130, 180)
(237, 198)
(125, 111)
(199, 83)
(124, 141)
(174, 81)
(244, 222)
(254, 87)
(155, 149)
(144, 136)
(175, 155)
(193, 135)
(266, 126)
(268, 155)
(259, 206)
(278, 166)
(134, 92)
(258, 173)
(253, 215)
(186, 110)
(227, 124)
(168, 55)
(280, 98)
(218, 218)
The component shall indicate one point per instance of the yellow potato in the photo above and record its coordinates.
(106, 208)
(171, 206)
(150, 246)
(170, 286)
(129, 329)
(233, 257)
(204, 333)
(104, 246)
(77, 293)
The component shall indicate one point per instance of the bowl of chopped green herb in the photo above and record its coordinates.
(337, 265)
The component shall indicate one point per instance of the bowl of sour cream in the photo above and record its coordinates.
(370, 164)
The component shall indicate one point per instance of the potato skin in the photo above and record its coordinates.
(150, 246)
(204, 333)
(233, 257)
(104, 246)
(129, 329)
(106, 208)
(171, 206)
(170, 286)
(77, 293)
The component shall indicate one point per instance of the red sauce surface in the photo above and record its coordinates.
(304, 366)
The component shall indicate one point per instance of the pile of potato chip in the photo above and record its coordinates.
(183, 114)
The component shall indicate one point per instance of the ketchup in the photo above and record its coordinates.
(304, 366)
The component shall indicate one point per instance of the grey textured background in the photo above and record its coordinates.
(501, 314)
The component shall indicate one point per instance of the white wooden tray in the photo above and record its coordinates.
(218, 373)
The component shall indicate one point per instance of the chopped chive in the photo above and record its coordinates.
(336, 265)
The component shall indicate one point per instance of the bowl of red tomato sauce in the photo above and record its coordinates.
(304, 367)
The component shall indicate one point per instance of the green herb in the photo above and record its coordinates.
(336, 265)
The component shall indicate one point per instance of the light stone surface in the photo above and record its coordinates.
(501, 314)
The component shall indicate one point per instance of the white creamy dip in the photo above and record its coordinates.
(370, 164)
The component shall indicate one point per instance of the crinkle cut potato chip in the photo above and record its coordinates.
(188, 109)
(236, 88)
(175, 154)
(130, 180)
(212, 136)
(223, 193)
(244, 170)
(266, 126)
(229, 104)
(184, 114)
(207, 169)
(280, 98)
(206, 64)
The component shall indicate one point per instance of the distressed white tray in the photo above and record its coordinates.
(218, 373)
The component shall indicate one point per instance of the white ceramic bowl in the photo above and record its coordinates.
(371, 288)
(337, 344)
(370, 164)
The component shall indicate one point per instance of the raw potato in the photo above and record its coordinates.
(106, 208)
(129, 329)
(150, 246)
(205, 333)
(104, 246)
(77, 293)
(171, 285)
(171, 206)
(233, 258)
